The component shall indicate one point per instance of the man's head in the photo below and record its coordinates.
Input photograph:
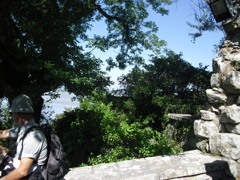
(21, 109)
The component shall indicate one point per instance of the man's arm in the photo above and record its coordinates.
(21, 171)
(4, 134)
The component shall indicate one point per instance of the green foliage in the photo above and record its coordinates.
(160, 88)
(130, 125)
(100, 134)
(42, 50)
(5, 120)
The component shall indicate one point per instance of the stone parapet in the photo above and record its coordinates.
(190, 165)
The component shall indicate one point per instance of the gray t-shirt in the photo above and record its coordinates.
(34, 144)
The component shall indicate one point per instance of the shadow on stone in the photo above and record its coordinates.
(219, 170)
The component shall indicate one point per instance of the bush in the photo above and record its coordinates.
(96, 133)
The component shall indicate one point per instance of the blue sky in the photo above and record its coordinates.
(173, 28)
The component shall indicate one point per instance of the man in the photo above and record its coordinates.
(32, 149)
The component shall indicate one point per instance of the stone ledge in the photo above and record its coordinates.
(190, 165)
(183, 117)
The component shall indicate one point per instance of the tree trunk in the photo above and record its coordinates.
(38, 105)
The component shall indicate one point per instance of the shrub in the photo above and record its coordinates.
(95, 133)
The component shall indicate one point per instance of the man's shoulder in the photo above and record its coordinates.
(35, 132)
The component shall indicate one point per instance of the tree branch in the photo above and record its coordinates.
(126, 27)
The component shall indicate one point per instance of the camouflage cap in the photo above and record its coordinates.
(22, 103)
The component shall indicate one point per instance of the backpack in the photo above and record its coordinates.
(55, 166)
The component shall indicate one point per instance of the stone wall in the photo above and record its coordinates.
(218, 130)
(180, 129)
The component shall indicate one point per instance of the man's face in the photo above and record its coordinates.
(17, 119)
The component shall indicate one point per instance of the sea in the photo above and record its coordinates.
(57, 106)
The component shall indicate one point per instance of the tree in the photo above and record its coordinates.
(168, 84)
(41, 50)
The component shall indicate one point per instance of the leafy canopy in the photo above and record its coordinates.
(42, 50)
(168, 84)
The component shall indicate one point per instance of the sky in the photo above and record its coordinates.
(174, 30)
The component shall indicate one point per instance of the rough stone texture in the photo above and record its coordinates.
(205, 129)
(218, 64)
(238, 101)
(215, 80)
(229, 50)
(232, 57)
(231, 99)
(213, 108)
(190, 165)
(231, 83)
(225, 144)
(183, 117)
(203, 144)
(224, 102)
(232, 128)
(208, 116)
(215, 96)
(231, 115)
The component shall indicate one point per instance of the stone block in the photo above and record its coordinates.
(217, 64)
(225, 144)
(208, 116)
(213, 108)
(233, 57)
(234, 166)
(231, 83)
(231, 115)
(215, 97)
(215, 80)
(231, 99)
(233, 128)
(205, 129)
(202, 144)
